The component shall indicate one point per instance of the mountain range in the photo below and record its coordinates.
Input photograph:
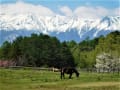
(63, 27)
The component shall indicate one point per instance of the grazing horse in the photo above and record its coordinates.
(70, 71)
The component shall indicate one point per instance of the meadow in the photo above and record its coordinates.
(47, 80)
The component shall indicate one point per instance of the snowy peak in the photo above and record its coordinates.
(110, 20)
(55, 23)
(65, 28)
(109, 23)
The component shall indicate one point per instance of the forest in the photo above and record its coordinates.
(46, 51)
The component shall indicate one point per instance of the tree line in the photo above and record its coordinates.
(37, 51)
(46, 51)
(101, 53)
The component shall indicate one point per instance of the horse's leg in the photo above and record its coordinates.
(61, 75)
(70, 76)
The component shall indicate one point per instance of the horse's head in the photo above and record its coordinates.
(77, 73)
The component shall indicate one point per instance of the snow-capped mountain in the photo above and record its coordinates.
(65, 28)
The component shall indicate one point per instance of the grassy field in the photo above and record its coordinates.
(48, 80)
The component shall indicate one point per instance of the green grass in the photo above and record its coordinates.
(48, 80)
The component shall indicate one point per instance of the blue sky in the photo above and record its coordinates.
(71, 3)
(74, 7)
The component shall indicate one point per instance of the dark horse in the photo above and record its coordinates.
(70, 71)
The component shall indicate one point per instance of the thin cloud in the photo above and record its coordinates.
(66, 11)
(86, 11)
(21, 7)
(117, 11)
(90, 12)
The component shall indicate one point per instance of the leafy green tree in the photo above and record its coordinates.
(66, 58)
(5, 49)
